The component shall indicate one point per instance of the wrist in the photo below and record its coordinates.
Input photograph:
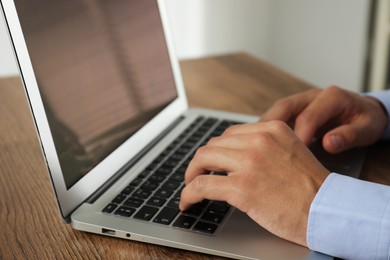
(314, 184)
(379, 105)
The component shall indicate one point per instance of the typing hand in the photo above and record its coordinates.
(351, 120)
(271, 176)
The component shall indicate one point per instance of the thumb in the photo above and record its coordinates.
(341, 138)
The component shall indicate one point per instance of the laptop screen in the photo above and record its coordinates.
(103, 71)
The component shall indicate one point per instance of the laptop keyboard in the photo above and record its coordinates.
(154, 195)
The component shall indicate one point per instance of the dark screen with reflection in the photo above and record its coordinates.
(102, 69)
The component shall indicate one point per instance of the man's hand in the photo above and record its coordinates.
(272, 176)
(350, 120)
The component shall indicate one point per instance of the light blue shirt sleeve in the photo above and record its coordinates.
(384, 98)
(350, 218)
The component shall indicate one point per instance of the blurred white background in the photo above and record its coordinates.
(321, 41)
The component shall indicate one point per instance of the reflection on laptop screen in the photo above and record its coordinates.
(103, 71)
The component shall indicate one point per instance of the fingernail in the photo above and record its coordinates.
(337, 142)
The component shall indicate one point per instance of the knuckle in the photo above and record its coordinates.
(334, 91)
(274, 127)
(213, 140)
(278, 125)
(261, 139)
(200, 153)
(304, 118)
(284, 103)
(199, 184)
(201, 150)
(230, 130)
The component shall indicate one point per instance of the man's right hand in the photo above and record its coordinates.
(351, 120)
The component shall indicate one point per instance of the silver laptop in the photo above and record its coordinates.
(108, 101)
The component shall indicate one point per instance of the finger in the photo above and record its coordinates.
(211, 158)
(211, 187)
(288, 108)
(346, 137)
(259, 127)
(238, 141)
(314, 115)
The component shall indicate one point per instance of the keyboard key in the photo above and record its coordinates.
(142, 194)
(210, 121)
(146, 213)
(204, 128)
(205, 227)
(192, 139)
(177, 177)
(185, 222)
(159, 159)
(149, 185)
(119, 198)
(198, 119)
(171, 147)
(163, 171)
(169, 164)
(166, 152)
(176, 157)
(217, 132)
(202, 204)
(178, 193)
(124, 211)
(171, 185)
(181, 170)
(163, 193)
(174, 203)
(109, 208)
(136, 182)
(189, 145)
(166, 216)
(225, 124)
(186, 163)
(219, 207)
(128, 190)
(199, 133)
(144, 174)
(184, 134)
(133, 202)
(154, 201)
(213, 217)
(183, 150)
(151, 167)
(157, 178)
(193, 211)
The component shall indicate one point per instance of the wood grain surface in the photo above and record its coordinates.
(30, 222)
(237, 83)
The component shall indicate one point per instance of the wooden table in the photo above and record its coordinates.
(31, 227)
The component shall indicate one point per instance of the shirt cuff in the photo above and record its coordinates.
(350, 218)
(384, 98)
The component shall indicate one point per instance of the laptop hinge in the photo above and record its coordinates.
(96, 195)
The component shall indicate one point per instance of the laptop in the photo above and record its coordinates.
(108, 101)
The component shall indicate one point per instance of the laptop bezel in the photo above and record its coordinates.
(69, 199)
